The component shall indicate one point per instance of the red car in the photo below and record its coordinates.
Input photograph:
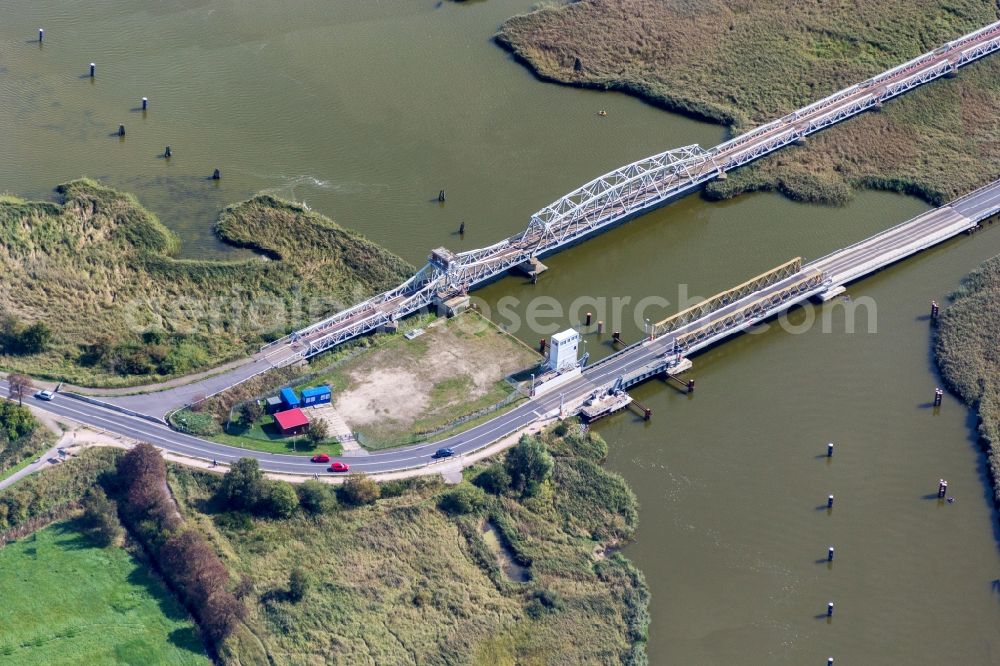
(340, 467)
(321, 457)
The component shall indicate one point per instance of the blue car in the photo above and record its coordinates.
(444, 453)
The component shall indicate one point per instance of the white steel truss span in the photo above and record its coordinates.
(635, 188)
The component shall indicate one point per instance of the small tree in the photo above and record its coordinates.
(462, 499)
(298, 584)
(359, 489)
(243, 487)
(20, 385)
(316, 497)
(250, 411)
(529, 464)
(100, 514)
(282, 501)
(494, 479)
(319, 431)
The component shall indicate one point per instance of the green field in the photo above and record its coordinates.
(66, 601)
(744, 63)
(264, 436)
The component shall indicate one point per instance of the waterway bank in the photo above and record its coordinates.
(97, 273)
(935, 143)
(966, 351)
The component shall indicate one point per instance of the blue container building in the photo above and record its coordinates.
(290, 399)
(317, 395)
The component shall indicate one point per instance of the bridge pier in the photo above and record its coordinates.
(450, 307)
(531, 268)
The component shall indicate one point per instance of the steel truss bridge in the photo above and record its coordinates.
(736, 310)
(628, 192)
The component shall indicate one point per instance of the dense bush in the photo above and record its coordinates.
(494, 479)
(244, 489)
(298, 584)
(316, 497)
(16, 421)
(358, 490)
(529, 464)
(19, 340)
(101, 518)
(462, 499)
(186, 560)
(282, 500)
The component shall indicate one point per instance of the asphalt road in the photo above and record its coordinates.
(888, 244)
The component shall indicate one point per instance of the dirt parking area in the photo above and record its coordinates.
(454, 368)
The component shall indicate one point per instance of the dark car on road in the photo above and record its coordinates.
(444, 453)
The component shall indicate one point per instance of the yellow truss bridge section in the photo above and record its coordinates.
(722, 299)
(752, 311)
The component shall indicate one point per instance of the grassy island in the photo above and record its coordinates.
(93, 296)
(966, 350)
(745, 63)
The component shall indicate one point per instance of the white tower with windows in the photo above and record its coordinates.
(562, 350)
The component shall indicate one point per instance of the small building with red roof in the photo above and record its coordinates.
(291, 421)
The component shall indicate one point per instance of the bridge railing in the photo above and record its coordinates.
(648, 182)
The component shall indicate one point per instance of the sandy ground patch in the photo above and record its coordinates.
(454, 364)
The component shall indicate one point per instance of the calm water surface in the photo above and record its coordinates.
(364, 110)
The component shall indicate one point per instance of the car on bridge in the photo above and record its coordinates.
(45, 395)
(444, 453)
(320, 458)
(340, 467)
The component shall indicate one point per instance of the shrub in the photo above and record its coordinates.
(243, 487)
(358, 490)
(316, 497)
(462, 499)
(529, 465)
(494, 479)
(101, 518)
(543, 601)
(282, 500)
(298, 584)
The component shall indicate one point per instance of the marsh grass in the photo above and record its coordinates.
(966, 351)
(97, 269)
(745, 62)
(401, 581)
